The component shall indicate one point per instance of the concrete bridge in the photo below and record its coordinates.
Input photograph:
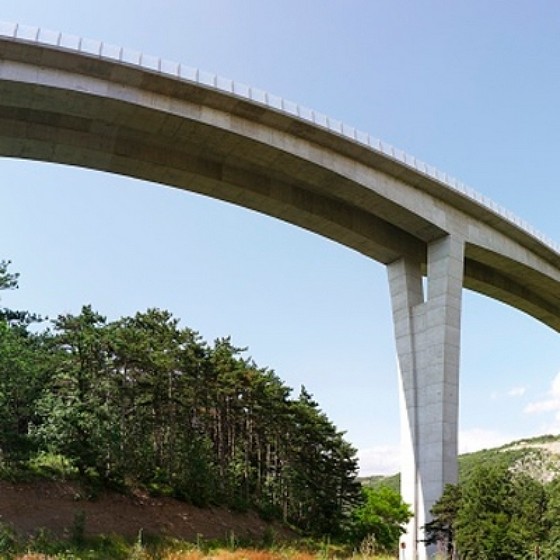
(81, 102)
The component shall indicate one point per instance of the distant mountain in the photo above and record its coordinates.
(539, 457)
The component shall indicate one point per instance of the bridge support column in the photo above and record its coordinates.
(427, 333)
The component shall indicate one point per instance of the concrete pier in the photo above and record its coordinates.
(427, 333)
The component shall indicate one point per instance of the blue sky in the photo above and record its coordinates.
(471, 87)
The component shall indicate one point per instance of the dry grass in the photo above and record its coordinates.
(254, 554)
(190, 555)
(241, 554)
(247, 554)
(223, 554)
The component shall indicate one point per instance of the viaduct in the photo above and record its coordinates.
(74, 101)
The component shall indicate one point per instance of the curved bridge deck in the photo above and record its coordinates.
(81, 102)
(69, 100)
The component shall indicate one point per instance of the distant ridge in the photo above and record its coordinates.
(538, 456)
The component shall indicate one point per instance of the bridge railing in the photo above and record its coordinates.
(100, 49)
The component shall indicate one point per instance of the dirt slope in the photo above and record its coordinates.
(55, 506)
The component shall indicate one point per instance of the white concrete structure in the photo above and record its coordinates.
(80, 102)
(427, 332)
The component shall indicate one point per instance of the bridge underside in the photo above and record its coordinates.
(74, 128)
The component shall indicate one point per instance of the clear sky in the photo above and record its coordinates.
(471, 86)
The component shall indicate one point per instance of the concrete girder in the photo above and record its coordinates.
(231, 178)
(521, 292)
(188, 156)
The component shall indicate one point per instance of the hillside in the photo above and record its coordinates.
(145, 402)
(55, 504)
(59, 506)
(538, 456)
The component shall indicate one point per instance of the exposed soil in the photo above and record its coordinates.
(56, 506)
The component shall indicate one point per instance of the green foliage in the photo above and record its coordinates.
(8, 280)
(495, 513)
(8, 541)
(24, 366)
(142, 401)
(51, 466)
(49, 546)
(78, 528)
(379, 521)
(501, 514)
(442, 528)
(550, 547)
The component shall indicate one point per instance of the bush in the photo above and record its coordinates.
(380, 519)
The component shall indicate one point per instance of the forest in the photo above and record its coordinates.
(144, 401)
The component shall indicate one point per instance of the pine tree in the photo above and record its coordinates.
(77, 418)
